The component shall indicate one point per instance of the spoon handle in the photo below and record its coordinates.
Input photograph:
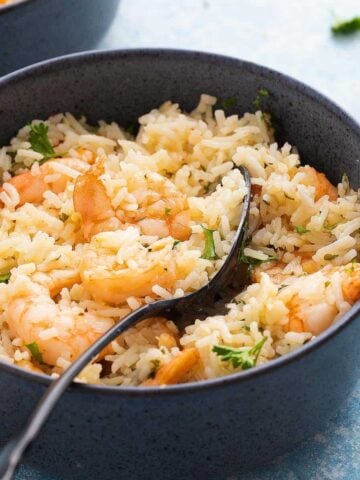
(15, 448)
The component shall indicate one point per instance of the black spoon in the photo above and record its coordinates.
(208, 300)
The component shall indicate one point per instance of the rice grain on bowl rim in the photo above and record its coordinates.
(80, 262)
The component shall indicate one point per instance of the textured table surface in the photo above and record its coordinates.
(293, 37)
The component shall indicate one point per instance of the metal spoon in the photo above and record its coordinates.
(208, 300)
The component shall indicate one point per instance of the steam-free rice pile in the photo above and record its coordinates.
(95, 222)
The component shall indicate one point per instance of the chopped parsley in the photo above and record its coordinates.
(167, 211)
(209, 252)
(240, 357)
(346, 27)
(301, 230)
(330, 256)
(255, 261)
(35, 351)
(262, 92)
(176, 243)
(327, 283)
(228, 103)
(5, 277)
(330, 227)
(39, 140)
(351, 269)
(268, 118)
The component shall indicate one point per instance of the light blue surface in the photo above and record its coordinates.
(292, 36)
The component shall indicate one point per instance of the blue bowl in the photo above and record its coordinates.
(34, 30)
(206, 430)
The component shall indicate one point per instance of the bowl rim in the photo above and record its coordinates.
(204, 57)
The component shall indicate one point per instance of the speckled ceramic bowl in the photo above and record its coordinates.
(34, 30)
(207, 430)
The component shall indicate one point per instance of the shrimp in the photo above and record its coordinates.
(160, 205)
(305, 316)
(275, 269)
(116, 285)
(31, 187)
(162, 209)
(315, 317)
(351, 285)
(35, 317)
(66, 279)
(176, 370)
(94, 206)
(156, 331)
(320, 182)
(167, 340)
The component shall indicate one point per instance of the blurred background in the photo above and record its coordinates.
(291, 36)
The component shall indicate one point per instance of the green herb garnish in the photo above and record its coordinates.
(351, 269)
(301, 230)
(268, 118)
(176, 243)
(327, 283)
(35, 351)
(330, 227)
(329, 256)
(255, 261)
(167, 211)
(209, 250)
(262, 92)
(229, 103)
(240, 357)
(5, 277)
(39, 140)
(346, 27)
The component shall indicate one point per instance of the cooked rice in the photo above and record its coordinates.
(194, 154)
